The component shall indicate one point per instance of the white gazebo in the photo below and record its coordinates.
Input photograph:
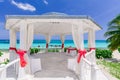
(53, 24)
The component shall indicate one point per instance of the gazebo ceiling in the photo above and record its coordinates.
(51, 23)
(53, 28)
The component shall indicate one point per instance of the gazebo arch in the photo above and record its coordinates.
(50, 24)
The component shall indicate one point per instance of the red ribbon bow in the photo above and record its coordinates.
(12, 48)
(47, 45)
(80, 54)
(92, 49)
(62, 46)
(21, 55)
(71, 49)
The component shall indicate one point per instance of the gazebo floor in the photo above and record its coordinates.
(54, 65)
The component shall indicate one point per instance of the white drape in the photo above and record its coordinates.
(30, 36)
(91, 38)
(62, 37)
(12, 38)
(26, 39)
(48, 38)
(77, 34)
(26, 36)
(13, 41)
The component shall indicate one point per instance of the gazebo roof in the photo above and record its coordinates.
(51, 23)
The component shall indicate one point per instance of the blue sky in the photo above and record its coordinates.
(102, 11)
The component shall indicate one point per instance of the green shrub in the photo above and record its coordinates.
(65, 49)
(53, 50)
(103, 53)
(34, 50)
(7, 60)
(1, 53)
(119, 50)
(49, 50)
(31, 51)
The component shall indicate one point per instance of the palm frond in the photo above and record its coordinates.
(110, 33)
(113, 27)
(116, 20)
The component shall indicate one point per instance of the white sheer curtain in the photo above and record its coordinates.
(13, 41)
(26, 39)
(77, 34)
(48, 38)
(91, 38)
(12, 38)
(30, 36)
(62, 37)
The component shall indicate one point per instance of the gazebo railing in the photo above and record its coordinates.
(3, 70)
(89, 69)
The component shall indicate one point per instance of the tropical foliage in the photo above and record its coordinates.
(53, 50)
(103, 53)
(1, 53)
(34, 50)
(113, 33)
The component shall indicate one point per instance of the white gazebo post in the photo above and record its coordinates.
(26, 38)
(13, 41)
(77, 33)
(62, 40)
(91, 43)
(23, 43)
(91, 39)
(48, 38)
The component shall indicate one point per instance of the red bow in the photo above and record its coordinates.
(92, 49)
(12, 48)
(47, 45)
(62, 46)
(21, 55)
(80, 54)
(70, 49)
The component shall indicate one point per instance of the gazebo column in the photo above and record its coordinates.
(78, 38)
(91, 39)
(91, 44)
(62, 40)
(12, 48)
(48, 37)
(26, 38)
(23, 43)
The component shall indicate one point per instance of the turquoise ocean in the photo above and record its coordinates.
(4, 44)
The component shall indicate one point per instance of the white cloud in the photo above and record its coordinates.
(24, 6)
(45, 1)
